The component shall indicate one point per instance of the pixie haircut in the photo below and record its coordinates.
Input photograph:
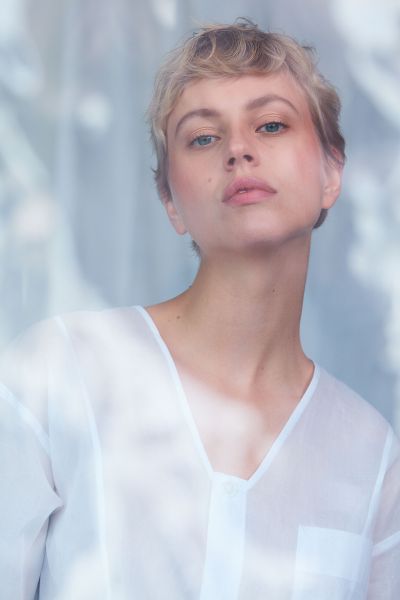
(242, 48)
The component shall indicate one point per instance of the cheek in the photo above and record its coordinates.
(189, 186)
(179, 182)
(308, 165)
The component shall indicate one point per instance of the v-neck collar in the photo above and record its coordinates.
(188, 415)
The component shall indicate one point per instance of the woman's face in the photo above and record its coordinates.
(245, 165)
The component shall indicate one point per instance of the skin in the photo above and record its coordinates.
(234, 334)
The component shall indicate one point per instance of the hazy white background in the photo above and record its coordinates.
(80, 222)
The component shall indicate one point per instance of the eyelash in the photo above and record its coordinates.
(198, 137)
(282, 127)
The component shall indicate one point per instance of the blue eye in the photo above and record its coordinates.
(272, 127)
(203, 140)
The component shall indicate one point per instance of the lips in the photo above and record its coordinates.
(247, 190)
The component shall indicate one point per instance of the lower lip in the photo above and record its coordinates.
(251, 197)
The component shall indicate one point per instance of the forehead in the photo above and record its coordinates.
(240, 93)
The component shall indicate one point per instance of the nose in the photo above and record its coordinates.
(240, 149)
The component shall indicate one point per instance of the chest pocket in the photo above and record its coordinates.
(331, 565)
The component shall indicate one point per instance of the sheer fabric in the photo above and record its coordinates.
(108, 493)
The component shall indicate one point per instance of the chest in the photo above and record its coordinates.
(236, 434)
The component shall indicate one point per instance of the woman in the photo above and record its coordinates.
(191, 449)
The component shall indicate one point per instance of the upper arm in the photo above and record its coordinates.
(27, 496)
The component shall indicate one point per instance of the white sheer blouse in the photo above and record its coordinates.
(107, 491)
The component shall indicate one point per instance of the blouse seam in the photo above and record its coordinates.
(386, 544)
(177, 382)
(288, 428)
(99, 478)
(27, 416)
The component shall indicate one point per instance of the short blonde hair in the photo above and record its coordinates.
(241, 49)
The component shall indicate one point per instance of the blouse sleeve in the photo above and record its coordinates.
(27, 497)
(384, 581)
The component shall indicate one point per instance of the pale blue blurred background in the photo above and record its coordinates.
(81, 224)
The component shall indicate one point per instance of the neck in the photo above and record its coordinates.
(242, 314)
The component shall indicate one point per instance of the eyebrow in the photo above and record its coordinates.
(251, 105)
(267, 99)
(199, 112)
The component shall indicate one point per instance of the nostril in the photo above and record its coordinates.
(246, 157)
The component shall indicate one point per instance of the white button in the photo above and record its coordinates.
(231, 488)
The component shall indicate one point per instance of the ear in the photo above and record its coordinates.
(333, 170)
(173, 215)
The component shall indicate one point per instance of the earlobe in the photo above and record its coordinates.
(174, 216)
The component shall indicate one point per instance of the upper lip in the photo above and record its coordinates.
(246, 184)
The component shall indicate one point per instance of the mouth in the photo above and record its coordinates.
(247, 190)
